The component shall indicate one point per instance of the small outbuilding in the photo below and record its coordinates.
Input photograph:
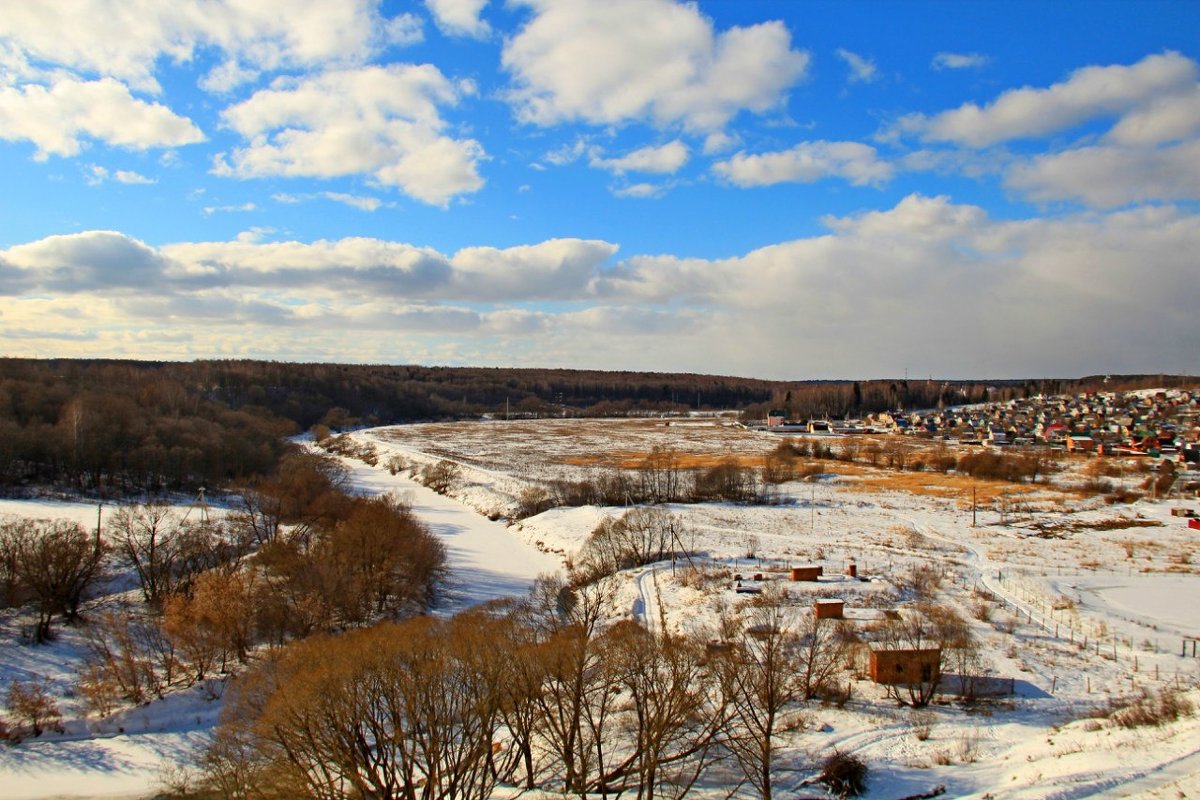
(808, 572)
(829, 609)
(905, 667)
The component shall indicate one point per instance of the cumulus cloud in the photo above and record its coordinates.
(807, 162)
(355, 266)
(655, 60)
(555, 269)
(719, 142)
(661, 159)
(62, 117)
(862, 70)
(88, 262)
(125, 39)
(958, 61)
(1162, 119)
(1107, 176)
(460, 17)
(1000, 297)
(1088, 93)
(383, 122)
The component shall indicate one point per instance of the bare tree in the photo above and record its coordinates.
(673, 713)
(821, 647)
(642, 535)
(661, 476)
(576, 704)
(925, 626)
(128, 657)
(55, 562)
(764, 684)
(147, 538)
(215, 623)
(401, 710)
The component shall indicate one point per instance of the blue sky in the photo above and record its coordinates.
(770, 189)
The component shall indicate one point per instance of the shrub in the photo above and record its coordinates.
(532, 501)
(845, 774)
(441, 476)
(1151, 709)
(32, 703)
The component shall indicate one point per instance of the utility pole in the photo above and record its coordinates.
(812, 504)
(973, 506)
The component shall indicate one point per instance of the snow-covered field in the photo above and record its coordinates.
(1098, 609)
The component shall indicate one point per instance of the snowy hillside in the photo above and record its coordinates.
(1079, 605)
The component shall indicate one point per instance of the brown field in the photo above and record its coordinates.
(937, 484)
(530, 446)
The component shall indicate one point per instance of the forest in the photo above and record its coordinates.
(108, 428)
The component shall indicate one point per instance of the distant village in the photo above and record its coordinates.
(1160, 424)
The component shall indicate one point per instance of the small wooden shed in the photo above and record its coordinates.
(807, 572)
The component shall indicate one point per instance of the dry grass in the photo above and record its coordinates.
(936, 484)
(636, 459)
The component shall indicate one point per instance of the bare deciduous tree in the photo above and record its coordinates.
(55, 563)
(821, 647)
(673, 713)
(764, 684)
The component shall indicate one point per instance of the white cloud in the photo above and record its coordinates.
(656, 60)
(555, 269)
(383, 122)
(87, 262)
(862, 70)
(131, 177)
(719, 142)
(1088, 93)
(958, 61)
(403, 30)
(568, 153)
(255, 234)
(807, 162)
(663, 159)
(1107, 176)
(227, 76)
(460, 17)
(125, 39)
(96, 175)
(1162, 119)
(640, 191)
(360, 202)
(229, 209)
(60, 118)
(1004, 298)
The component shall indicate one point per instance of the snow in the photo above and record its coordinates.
(485, 559)
(1169, 604)
(1075, 619)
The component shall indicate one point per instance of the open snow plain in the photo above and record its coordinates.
(1076, 603)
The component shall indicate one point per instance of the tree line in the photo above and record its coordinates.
(114, 428)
